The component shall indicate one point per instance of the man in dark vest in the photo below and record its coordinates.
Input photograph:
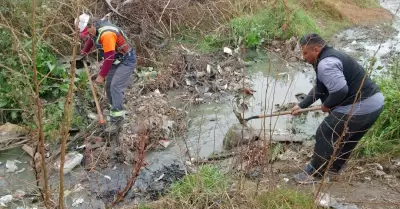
(347, 94)
(118, 65)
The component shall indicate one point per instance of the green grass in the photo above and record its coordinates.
(274, 22)
(202, 189)
(285, 198)
(384, 137)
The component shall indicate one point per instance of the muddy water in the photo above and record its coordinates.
(382, 41)
(275, 82)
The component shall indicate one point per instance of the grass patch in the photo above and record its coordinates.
(203, 189)
(278, 21)
(208, 188)
(384, 136)
(285, 198)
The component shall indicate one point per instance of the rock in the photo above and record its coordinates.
(235, 138)
(9, 131)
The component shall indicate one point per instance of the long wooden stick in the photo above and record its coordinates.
(284, 113)
(99, 113)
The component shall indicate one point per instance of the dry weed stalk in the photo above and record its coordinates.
(39, 115)
(67, 119)
(143, 138)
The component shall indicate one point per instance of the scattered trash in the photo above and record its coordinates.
(159, 178)
(228, 51)
(286, 75)
(5, 200)
(286, 180)
(92, 116)
(80, 147)
(164, 143)
(20, 171)
(107, 177)
(157, 93)
(325, 200)
(77, 202)
(11, 167)
(72, 159)
(147, 75)
(209, 69)
(376, 165)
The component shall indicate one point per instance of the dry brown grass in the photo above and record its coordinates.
(360, 16)
(350, 11)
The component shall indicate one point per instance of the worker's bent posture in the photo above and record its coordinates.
(339, 78)
(118, 65)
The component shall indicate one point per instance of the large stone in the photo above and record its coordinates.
(11, 131)
(235, 137)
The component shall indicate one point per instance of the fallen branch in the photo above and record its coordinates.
(116, 12)
(135, 171)
(17, 144)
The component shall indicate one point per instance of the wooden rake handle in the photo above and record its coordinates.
(284, 113)
(99, 113)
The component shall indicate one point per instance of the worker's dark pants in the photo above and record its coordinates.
(329, 132)
(118, 79)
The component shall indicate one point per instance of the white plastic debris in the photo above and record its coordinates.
(107, 177)
(20, 171)
(159, 178)
(327, 201)
(10, 165)
(157, 92)
(5, 200)
(219, 68)
(164, 143)
(209, 69)
(92, 116)
(228, 51)
(77, 202)
(72, 159)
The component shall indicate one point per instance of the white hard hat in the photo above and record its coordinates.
(83, 21)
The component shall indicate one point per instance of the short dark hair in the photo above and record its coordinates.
(312, 39)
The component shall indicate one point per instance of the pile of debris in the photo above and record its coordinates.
(156, 115)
